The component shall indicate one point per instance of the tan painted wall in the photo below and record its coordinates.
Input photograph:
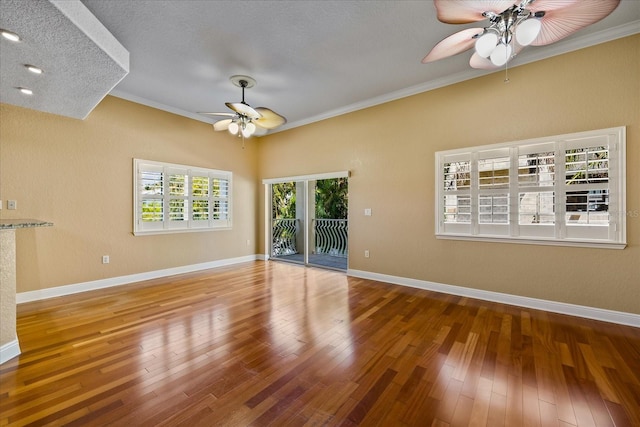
(390, 151)
(78, 175)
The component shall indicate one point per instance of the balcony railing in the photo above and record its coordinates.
(284, 236)
(329, 241)
(331, 237)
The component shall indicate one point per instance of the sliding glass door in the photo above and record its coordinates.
(307, 220)
(288, 221)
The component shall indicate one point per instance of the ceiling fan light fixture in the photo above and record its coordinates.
(527, 31)
(248, 130)
(501, 54)
(486, 43)
(531, 22)
(233, 128)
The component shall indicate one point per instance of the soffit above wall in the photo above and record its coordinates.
(81, 59)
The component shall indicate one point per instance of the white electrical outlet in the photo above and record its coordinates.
(105, 259)
(366, 254)
(12, 205)
(367, 212)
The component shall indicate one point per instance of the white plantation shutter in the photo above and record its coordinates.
(200, 198)
(150, 188)
(567, 190)
(177, 202)
(536, 203)
(492, 168)
(220, 185)
(586, 187)
(454, 177)
(178, 198)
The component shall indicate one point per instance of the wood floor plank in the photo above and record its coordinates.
(273, 344)
(497, 410)
(481, 401)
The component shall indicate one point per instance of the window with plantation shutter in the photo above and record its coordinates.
(177, 198)
(561, 190)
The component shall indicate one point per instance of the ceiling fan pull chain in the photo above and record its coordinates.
(506, 73)
(506, 66)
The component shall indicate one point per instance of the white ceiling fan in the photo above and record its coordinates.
(512, 26)
(247, 121)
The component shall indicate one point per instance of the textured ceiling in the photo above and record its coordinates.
(81, 59)
(311, 59)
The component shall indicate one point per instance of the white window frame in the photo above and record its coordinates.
(562, 232)
(217, 217)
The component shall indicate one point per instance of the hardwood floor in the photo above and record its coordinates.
(270, 343)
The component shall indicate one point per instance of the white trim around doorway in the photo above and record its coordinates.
(312, 177)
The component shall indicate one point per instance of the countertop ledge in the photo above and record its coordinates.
(9, 224)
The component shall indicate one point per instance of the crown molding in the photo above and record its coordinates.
(531, 55)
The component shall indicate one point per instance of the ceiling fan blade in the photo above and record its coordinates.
(452, 45)
(560, 23)
(243, 109)
(260, 131)
(549, 5)
(222, 124)
(270, 119)
(218, 114)
(465, 11)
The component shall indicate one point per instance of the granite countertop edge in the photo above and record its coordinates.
(12, 224)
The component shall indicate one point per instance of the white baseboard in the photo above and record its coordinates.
(59, 291)
(619, 317)
(9, 351)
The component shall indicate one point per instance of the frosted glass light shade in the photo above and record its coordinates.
(233, 128)
(486, 43)
(248, 130)
(501, 54)
(527, 31)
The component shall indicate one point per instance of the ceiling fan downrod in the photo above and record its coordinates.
(243, 84)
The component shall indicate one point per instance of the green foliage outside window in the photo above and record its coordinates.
(152, 210)
(331, 199)
(284, 200)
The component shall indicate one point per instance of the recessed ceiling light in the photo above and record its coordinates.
(10, 36)
(34, 69)
(25, 91)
